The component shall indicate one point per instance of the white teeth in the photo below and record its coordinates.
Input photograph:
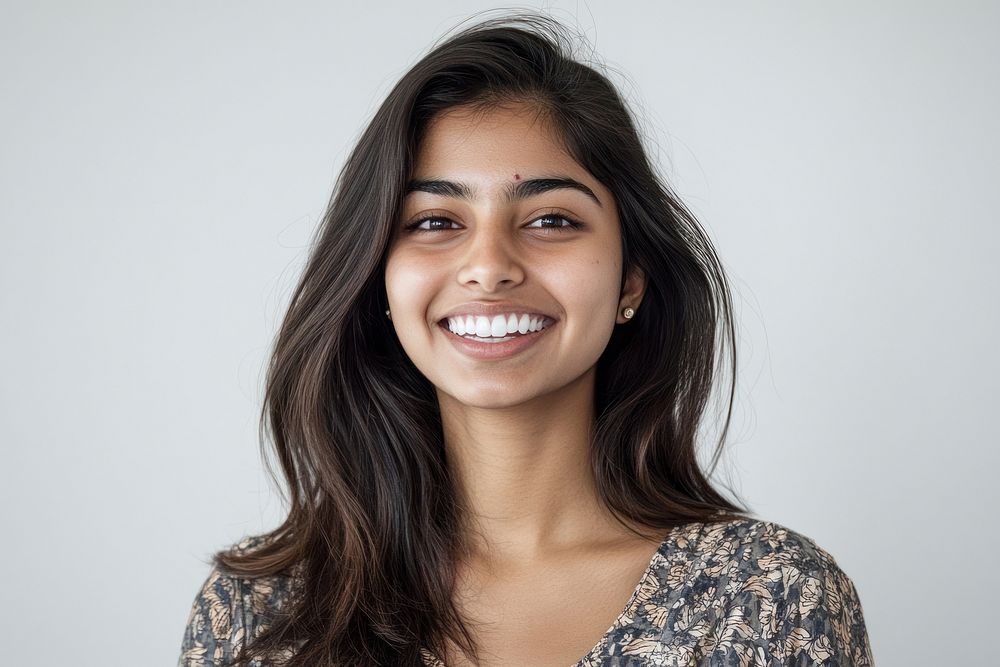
(498, 326)
(483, 327)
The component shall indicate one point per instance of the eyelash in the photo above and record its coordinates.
(573, 223)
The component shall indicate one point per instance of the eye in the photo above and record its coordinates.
(570, 222)
(416, 226)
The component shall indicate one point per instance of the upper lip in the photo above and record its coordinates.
(489, 309)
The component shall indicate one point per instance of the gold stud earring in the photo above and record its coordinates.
(627, 312)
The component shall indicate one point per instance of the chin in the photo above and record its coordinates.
(490, 396)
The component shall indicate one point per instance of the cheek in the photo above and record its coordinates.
(586, 285)
(409, 284)
(587, 291)
(402, 277)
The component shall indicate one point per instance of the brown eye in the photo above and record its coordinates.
(416, 226)
(570, 223)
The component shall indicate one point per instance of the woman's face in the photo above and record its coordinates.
(485, 254)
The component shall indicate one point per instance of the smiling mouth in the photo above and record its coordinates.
(491, 339)
(495, 348)
(546, 323)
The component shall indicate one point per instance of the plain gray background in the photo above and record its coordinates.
(163, 166)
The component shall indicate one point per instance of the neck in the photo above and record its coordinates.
(524, 474)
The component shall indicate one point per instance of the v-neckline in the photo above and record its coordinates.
(640, 594)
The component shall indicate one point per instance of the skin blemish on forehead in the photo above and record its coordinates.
(517, 177)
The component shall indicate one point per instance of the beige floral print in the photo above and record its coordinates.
(743, 593)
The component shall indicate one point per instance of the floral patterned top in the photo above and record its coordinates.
(736, 594)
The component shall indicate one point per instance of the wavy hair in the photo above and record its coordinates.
(373, 523)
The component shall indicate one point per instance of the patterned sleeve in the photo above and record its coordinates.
(796, 607)
(820, 621)
(215, 625)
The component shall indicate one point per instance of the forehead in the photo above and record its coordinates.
(496, 141)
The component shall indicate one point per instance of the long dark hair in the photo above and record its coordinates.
(373, 519)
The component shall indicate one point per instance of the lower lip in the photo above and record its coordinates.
(489, 351)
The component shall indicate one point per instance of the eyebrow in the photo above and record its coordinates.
(513, 192)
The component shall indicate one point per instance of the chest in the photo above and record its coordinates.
(546, 616)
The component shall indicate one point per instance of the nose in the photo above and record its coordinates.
(490, 261)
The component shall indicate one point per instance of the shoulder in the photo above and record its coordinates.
(745, 591)
(731, 552)
(785, 596)
(766, 559)
(754, 546)
(228, 610)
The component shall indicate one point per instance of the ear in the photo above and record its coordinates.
(635, 287)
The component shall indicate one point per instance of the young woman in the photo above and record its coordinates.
(485, 396)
